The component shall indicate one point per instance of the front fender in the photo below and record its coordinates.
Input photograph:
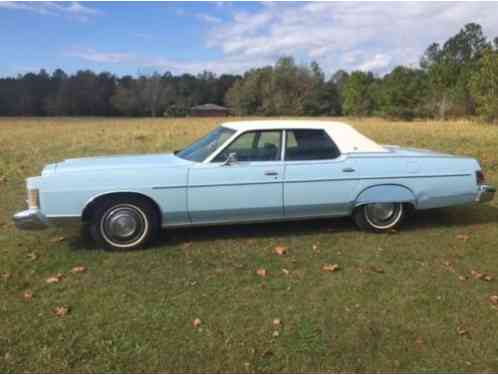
(385, 194)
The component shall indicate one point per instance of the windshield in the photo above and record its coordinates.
(204, 147)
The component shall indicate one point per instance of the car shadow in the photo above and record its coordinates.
(420, 221)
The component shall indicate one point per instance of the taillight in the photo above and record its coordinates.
(480, 178)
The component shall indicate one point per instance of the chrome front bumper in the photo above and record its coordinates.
(485, 193)
(31, 219)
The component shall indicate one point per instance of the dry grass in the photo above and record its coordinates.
(134, 311)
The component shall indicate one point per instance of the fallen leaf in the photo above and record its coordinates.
(55, 279)
(493, 300)
(330, 267)
(57, 239)
(3, 179)
(276, 333)
(419, 343)
(392, 231)
(276, 322)
(285, 271)
(28, 295)
(6, 275)
(462, 237)
(462, 331)
(481, 276)
(476, 275)
(196, 322)
(280, 250)
(32, 256)
(61, 311)
(377, 269)
(262, 272)
(449, 265)
(79, 269)
(315, 246)
(187, 245)
(462, 278)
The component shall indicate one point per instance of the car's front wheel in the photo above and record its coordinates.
(379, 217)
(124, 224)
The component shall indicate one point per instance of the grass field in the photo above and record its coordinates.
(400, 302)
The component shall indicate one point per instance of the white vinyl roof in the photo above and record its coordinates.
(345, 136)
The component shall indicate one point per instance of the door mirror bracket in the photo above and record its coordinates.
(231, 159)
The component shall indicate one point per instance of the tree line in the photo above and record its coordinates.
(86, 93)
(457, 78)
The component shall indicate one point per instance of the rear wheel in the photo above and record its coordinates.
(124, 224)
(379, 217)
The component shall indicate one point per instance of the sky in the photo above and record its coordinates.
(227, 37)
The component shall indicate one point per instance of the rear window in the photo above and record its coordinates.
(309, 144)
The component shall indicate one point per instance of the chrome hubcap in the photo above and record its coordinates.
(123, 224)
(381, 211)
(383, 215)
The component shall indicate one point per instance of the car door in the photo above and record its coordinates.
(319, 181)
(247, 189)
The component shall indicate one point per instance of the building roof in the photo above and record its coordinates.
(345, 136)
(209, 107)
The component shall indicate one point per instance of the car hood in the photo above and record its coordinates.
(115, 162)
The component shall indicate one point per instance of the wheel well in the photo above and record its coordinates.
(408, 206)
(90, 207)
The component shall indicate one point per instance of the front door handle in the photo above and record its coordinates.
(271, 173)
(348, 170)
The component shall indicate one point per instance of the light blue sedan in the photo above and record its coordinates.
(252, 171)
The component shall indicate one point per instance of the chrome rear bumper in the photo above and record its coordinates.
(31, 219)
(485, 193)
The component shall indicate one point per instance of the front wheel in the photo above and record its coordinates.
(124, 224)
(379, 217)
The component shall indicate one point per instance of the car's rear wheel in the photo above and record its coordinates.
(379, 217)
(124, 224)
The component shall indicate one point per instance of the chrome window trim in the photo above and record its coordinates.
(284, 145)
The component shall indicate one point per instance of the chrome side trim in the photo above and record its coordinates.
(376, 178)
(255, 221)
(485, 193)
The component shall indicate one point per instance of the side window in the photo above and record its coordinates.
(254, 146)
(309, 144)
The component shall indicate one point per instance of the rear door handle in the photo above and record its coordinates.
(348, 170)
(271, 173)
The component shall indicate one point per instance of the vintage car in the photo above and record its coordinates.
(252, 171)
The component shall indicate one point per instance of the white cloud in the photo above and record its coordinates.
(92, 55)
(378, 63)
(376, 36)
(73, 10)
(339, 35)
(208, 18)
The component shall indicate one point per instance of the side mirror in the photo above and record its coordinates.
(231, 159)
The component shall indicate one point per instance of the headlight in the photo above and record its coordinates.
(33, 198)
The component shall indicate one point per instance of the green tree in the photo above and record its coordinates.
(449, 68)
(484, 86)
(403, 92)
(358, 95)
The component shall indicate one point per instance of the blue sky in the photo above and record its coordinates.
(231, 37)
